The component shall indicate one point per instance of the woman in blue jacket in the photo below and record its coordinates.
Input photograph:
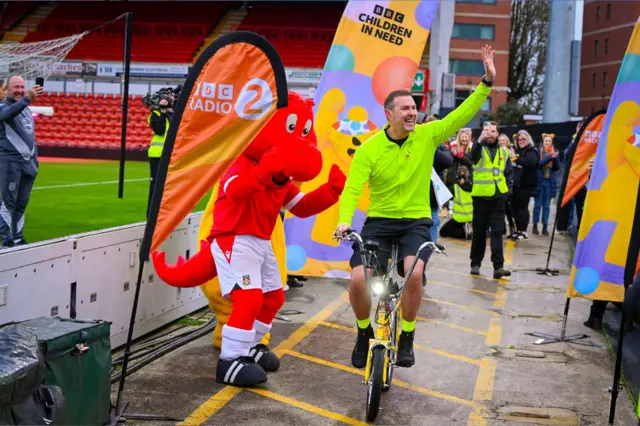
(547, 183)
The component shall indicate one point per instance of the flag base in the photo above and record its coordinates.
(548, 271)
(548, 338)
(576, 338)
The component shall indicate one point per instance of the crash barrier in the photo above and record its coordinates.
(92, 276)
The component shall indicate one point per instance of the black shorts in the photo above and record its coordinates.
(409, 234)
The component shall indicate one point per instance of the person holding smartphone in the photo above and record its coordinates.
(492, 185)
(18, 158)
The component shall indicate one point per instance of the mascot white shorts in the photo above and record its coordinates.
(245, 262)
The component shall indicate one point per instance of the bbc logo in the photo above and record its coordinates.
(388, 13)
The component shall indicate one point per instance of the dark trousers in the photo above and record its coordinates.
(520, 207)
(488, 213)
(453, 229)
(153, 171)
(16, 182)
(510, 216)
(564, 214)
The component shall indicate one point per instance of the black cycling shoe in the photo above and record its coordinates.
(406, 358)
(264, 357)
(361, 350)
(242, 371)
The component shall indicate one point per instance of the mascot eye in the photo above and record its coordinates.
(292, 120)
(307, 128)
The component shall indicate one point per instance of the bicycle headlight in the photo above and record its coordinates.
(377, 285)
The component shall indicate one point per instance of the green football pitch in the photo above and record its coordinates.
(74, 197)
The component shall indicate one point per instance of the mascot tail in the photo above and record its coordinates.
(191, 273)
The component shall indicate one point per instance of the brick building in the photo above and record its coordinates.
(459, 31)
(606, 29)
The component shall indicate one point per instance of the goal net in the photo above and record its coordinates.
(37, 59)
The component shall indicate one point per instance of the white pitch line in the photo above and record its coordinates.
(89, 184)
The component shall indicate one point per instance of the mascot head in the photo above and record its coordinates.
(290, 132)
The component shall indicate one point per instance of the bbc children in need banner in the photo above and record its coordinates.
(606, 254)
(377, 49)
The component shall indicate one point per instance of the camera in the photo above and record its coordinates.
(152, 100)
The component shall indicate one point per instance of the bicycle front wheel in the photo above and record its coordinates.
(374, 389)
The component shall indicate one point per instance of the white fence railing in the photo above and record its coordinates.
(93, 276)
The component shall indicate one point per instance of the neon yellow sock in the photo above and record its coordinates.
(408, 326)
(364, 323)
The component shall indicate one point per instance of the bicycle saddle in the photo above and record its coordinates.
(371, 245)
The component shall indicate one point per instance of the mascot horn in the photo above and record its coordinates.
(238, 248)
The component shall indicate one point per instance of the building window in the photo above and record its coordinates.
(477, 1)
(606, 45)
(466, 67)
(462, 95)
(596, 44)
(594, 78)
(608, 11)
(598, 14)
(473, 32)
(605, 77)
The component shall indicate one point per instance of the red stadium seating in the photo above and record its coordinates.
(301, 32)
(164, 32)
(92, 121)
(16, 10)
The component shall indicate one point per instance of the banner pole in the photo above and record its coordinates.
(615, 389)
(545, 338)
(127, 348)
(125, 100)
(546, 271)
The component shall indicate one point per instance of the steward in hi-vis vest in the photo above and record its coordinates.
(492, 183)
(159, 121)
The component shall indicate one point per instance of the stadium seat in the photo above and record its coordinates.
(168, 32)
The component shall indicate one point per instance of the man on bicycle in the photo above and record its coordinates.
(397, 163)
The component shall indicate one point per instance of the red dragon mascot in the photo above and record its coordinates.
(251, 193)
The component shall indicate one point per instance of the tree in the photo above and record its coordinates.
(527, 52)
(511, 113)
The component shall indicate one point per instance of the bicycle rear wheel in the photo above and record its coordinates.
(374, 389)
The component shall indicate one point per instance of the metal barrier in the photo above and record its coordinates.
(93, 275)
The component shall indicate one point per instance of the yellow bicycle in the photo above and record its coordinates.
(388, 287)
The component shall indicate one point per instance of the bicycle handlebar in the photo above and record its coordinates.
(351, 235)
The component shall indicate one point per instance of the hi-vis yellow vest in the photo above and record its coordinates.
(462, 205)
(486, 174)
(157, 141)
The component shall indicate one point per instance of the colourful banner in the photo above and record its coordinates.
(606, 254)
(585, 151)
(377, 48)
(231, 93)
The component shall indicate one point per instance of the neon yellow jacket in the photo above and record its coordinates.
(399, 177)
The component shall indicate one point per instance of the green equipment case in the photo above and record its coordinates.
(77, 355)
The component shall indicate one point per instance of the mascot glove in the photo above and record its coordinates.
(271, 163)
(337, 179)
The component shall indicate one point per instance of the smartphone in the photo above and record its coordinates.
(486, 124)
(40, 81)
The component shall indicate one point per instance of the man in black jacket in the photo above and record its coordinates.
(441, 162)
(489, 211)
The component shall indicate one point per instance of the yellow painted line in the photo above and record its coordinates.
(217, 401)
(483, 393)
(308, 407)
(416, 346)
(211, 406)
(455, 326)
(447, 354)
(467, 307)
(494, 335)
(500, 298)
(395, 382)
(473, 290)
(481, 277)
